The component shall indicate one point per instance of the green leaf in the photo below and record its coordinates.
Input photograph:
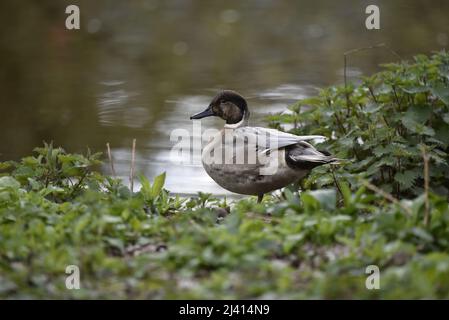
(111, 219)
(446, 118)
(373, 108)
(407, 178)
(327, 198)
(5, 165)
(158, 184)
(309, 202)
(416, 127)
(422, 234)
(416, 89)
(442, 131)
(419, 113)
(284, 118)
(146, 188)
(442, 93)
(116, 243)
(9, 182)
(346, 191)
(380, 150)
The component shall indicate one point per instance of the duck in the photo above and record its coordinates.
(255, 160)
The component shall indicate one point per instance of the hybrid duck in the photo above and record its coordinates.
(254, 160)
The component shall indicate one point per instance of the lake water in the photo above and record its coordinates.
(139, 69)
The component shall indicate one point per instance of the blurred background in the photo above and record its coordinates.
(139, 69)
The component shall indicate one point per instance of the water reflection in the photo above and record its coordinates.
(117, 107)
(139, 69)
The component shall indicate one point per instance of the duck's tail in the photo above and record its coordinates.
(304, 156)
(331, 159)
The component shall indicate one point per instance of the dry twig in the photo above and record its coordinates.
(133, 160)
(425, 156)
(386, 195)
(111, 162)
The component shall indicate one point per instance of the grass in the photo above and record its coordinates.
(387, 207)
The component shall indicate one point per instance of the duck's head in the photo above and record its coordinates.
(228, 105)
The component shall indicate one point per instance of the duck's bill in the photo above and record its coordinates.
(206, 113)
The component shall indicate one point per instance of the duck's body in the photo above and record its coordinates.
(254, 160)
(245, 177)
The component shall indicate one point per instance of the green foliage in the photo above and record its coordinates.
(57, 210)
(380, 126)
(148, 244)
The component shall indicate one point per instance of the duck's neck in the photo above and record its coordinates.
(242, 123)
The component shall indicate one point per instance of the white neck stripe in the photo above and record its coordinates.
(238, 124)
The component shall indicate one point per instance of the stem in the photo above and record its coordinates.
(372, 94)
(398, 190)
(387, 196)
(336, 181)
(111, 162)
(426, 186)
(396, 98)
(348, 53)
(340, 124)
(133, 159)
(80, 181)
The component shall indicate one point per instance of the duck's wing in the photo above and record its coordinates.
(271, 139)
(304, 156)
